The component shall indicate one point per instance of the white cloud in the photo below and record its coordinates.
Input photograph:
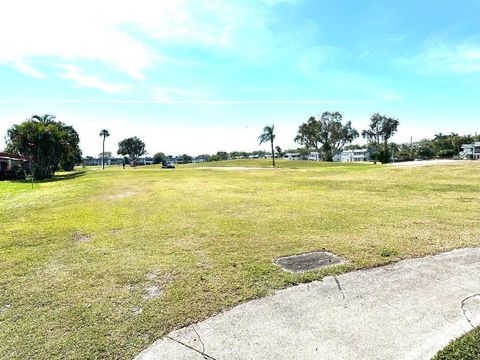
(93, 30)
(74, 73)
(72, 30)
(462, 58)
(27, 70)
(121, 34)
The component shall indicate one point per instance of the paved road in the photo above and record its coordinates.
(420, 163)
(407, 310)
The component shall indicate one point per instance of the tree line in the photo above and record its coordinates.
(441, 146)
(328, 135)
(52, 145)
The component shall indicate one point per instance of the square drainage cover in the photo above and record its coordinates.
(306, 262)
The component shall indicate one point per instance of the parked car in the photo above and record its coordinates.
(168, 165)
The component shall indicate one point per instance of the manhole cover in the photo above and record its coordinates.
(306, 262)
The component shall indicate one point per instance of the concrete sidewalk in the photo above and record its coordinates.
(407, 310)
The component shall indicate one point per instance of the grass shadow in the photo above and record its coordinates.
(63, 177)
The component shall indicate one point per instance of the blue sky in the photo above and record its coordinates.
(200, 76)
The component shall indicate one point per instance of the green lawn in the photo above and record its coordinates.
(280, 163)
(77, 254)
(465, 348)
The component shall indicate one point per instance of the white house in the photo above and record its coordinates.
(199, 159)
(356, 155)
(314, 156)
(145, 161)
(93, 161)
(89, 161)
(471, 151)
(179, 159)
(338, 156)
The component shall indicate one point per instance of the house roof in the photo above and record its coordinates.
(471, 145)
(355, 150)
(7, 156)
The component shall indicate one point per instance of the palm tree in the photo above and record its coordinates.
(46, 118)
(266, 136)
(104, 133)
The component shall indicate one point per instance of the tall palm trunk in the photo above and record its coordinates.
(103, 153)
(273, 153)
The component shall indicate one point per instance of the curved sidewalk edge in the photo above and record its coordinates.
(406, 310)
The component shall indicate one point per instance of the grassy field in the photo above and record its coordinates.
(465, 348)
(267, 164)
(83, 256)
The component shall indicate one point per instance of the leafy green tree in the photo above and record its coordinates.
(132, 147)
(186, 158)
(374, 132)
(448, 146)
(72, 154)
(104, 134)
(303, 152)
(268, 135)
(406, 152)
(203, 157)
(159, 157)
(46, 142)
(214, 158)
(326, 135)
(380, 130)
(354, 147)
(446, 154)
(222, 155)
(107, 154)
(425, 150)
(279, 151)
(45, 118)
(238, 154)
